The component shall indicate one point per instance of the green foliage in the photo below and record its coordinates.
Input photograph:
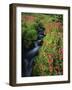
(50, 57)
(29, 34)
(52, 18)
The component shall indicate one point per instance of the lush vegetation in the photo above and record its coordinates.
(49, 61)
(29, 34)
(50, 58)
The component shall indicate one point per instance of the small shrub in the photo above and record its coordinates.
(29, 34)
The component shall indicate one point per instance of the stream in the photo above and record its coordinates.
(29, 54)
